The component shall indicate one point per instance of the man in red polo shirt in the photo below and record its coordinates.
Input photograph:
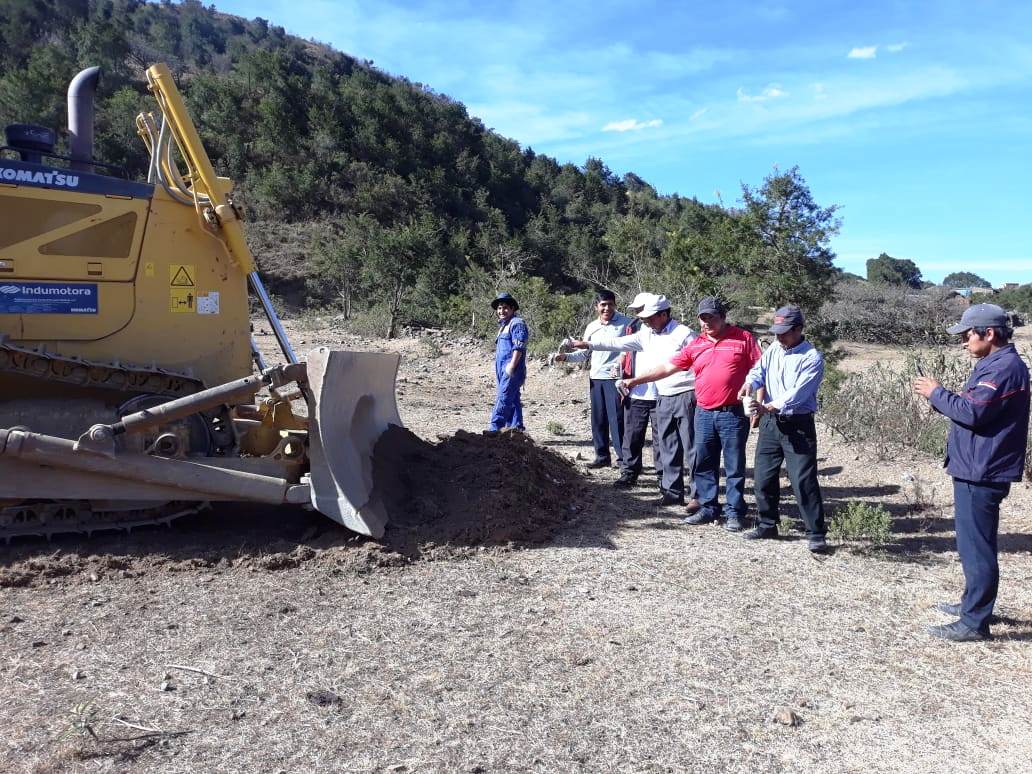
(721, 358)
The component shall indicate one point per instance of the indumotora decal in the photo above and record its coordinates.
(51, 177)
(47, 298)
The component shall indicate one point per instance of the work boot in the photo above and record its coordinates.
(626, 481)
(762, 532)
(734, 524)
(669, 499)
(958, 631)
(702, 516)
(693, 506)
(817, 544)
(594, 464)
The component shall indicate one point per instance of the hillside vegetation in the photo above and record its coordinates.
(376, 194)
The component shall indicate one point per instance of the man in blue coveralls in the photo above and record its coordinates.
(985, 454)
(510, 363)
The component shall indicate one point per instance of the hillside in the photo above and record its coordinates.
(362, 186)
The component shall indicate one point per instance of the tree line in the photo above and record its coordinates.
(395, 201)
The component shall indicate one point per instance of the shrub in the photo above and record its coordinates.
(555, 428)
(883, 314)
(861, 521)
(878, 406)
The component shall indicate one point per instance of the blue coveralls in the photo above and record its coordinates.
(508, 411)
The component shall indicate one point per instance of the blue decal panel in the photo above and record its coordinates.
(48, 298)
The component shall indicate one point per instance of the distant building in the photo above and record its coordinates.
(1010, 286)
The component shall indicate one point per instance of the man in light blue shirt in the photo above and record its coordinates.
(606, 414)
(789, 374)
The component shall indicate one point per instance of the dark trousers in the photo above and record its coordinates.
(675, 421)
(607, 419)
(792, 440)
(976, 509)
(715, 432)
(637, 415)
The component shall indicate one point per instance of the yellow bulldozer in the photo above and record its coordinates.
(131, 389)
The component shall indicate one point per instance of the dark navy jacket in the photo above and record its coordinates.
(989, 432)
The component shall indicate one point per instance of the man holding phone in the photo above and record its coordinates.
(985, 454)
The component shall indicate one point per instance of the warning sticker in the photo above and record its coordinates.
(181, 275)
(208, 304)
(181, 300)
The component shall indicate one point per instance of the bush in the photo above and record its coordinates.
(861, 521)
(878, 406)
(555, 428)
(882, 314)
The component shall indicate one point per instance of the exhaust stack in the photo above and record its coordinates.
(80, 117)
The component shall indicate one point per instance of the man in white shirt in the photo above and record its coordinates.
(659, 339)
(607, 424)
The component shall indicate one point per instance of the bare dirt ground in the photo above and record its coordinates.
(609, 638)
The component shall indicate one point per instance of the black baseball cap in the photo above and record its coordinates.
(711, 305)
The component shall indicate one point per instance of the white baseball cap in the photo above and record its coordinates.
(641, 301)
(655, 305)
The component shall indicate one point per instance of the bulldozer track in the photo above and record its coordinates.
(49, 517)
(129, 378)
(44, 518)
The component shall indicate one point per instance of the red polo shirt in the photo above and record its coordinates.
(720, 365)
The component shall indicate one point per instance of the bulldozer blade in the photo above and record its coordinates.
(351, 404)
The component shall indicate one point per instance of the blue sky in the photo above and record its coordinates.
(915, 118)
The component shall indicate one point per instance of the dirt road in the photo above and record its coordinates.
(265, 641)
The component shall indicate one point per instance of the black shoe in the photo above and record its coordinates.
(762, 532)
(669, 499)
(958, 631)
(626, 481)
(734, 524)
(699, 517)
(817, 544)
(598, 464)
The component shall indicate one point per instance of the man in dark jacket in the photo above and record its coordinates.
(985, 453)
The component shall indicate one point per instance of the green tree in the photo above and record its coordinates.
(965, 279)
(787, 237)
(894, 271)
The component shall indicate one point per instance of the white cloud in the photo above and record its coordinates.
(895, 48)
(863, 52)
(631, 125)
(698, 114)
(774, 91)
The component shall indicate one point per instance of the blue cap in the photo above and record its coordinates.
(981, 316)
(711, 305)
(786, 318)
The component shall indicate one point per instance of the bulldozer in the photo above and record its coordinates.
(131, 388)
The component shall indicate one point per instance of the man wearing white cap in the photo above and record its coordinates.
(656, 342)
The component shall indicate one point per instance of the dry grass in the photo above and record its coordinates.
(628, 643)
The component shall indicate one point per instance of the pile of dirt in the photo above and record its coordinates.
(470, 489)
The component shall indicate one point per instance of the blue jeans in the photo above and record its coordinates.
(976, 509)
(717, 431)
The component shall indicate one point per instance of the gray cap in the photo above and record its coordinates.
(711, 305)
(786, 318)
(981, 316)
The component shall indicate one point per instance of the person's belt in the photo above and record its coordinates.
(732, 407)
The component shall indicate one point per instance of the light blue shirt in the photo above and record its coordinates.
(791, 377)
(604, 365)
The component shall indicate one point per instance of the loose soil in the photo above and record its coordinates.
(520, 615)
